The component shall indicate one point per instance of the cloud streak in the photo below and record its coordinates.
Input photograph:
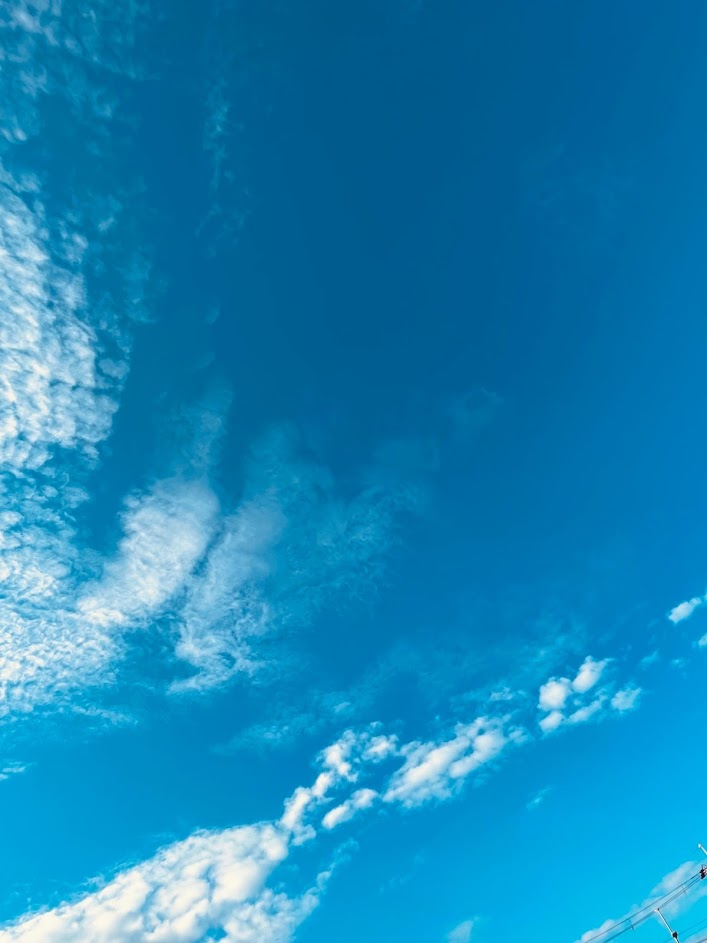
(292, 546)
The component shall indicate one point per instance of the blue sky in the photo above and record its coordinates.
(353, 567)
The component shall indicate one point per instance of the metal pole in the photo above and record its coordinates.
(701, 847)
(672, 932)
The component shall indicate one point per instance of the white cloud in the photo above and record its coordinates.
(554, 693)
(361, 799)
(461, 933)
(211, 882)
(588, 675)
(437, 770)
(51, 394)
(12, 769)
(584, 713)
(340, 763)
(63, 346)
(649, 660)
(626, 699)
(61, 634)
(166, 533)
(685, 609)
(226, 606)
(702, 643)
(224, 583)
(220, 882)
(381, 747)
(551, 721)
(564, 703)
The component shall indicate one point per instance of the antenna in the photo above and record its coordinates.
(673, 933)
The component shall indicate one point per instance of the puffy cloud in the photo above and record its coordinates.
(685, 609)
(554, 693)
(340, 764)
(551, 721)
(361, 799)
(562, 702)
(213, 882)
(437, 770)
(217, 885)
(588, 675)
(214, 885)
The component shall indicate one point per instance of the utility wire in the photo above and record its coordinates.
(646, 912)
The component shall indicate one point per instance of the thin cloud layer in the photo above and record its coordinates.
(461, 933)
(166, 532)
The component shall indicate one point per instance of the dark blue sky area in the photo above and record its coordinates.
(444, 200)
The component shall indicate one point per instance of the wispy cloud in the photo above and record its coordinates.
(13, 769)
(165, 534)
(462, 932)
(294, 544)
(226, 607)
(221, 582)
(537, 800)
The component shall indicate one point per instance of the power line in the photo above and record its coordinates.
(644, 913)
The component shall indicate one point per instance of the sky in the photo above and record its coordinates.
(353, 567)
